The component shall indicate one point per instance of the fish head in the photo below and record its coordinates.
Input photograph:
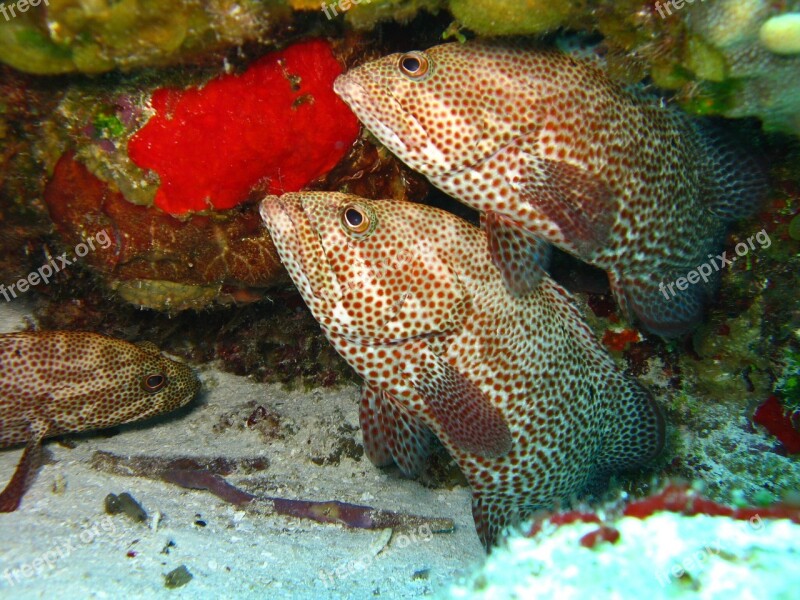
(449, 107)
(367, 269)
(137, 382)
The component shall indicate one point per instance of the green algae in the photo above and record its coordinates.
(705, 61)
(794, 228)
(788, 385)
(109, 126)
(27, 48)
(512, 17)
(90, 36)
(365, 16)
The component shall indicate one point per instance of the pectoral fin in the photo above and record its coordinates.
(11, 496)
(391, 434)
(409, 438)
(376, 446)
(520, 256)
(466, 415)
(582, 206)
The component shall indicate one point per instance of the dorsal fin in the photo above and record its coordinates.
(734, 178)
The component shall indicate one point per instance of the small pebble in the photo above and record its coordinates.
(422, 574)
(125, 503)
(177, 577)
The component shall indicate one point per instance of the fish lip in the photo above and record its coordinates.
(273, 208)
(348, 87)
(354, 93)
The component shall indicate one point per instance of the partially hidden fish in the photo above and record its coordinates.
(516, 388)
(551, 150)
(57, 382)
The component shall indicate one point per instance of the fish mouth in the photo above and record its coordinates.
(356, 97)
(301, 250)
(405, 137)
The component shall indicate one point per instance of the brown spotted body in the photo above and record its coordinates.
(57, 382)
(409, 296)
(551, 150)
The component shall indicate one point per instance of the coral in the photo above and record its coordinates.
(758, 81)
(512, 17)
(484, 17)
(722, 448)
(278, 125)
(778, 422)
(365, 15)
(674, 544)
(91, 36)
(733, 362)
(781, 34)
(154, 259)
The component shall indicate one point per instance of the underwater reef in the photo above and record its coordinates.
(164, 125)
(673, 544)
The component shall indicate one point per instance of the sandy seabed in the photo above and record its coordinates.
(62, 543)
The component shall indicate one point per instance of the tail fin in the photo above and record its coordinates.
(735, 180)
(639, 437)
(492, 513)
(659, 304)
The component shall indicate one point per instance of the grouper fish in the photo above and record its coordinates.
(57, 382)
(548, 148)
(516, 388)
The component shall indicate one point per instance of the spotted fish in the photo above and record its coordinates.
(548, 148)
(516, 388)
(56, 382)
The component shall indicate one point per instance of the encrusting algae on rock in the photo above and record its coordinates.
(56, 382)
(517, 389)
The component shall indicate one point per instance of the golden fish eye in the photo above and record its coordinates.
(414, 65)
(355, 219)
(153, 383)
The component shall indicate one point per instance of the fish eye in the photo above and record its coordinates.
(414, 65)
(355, 219)
(154, 382)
